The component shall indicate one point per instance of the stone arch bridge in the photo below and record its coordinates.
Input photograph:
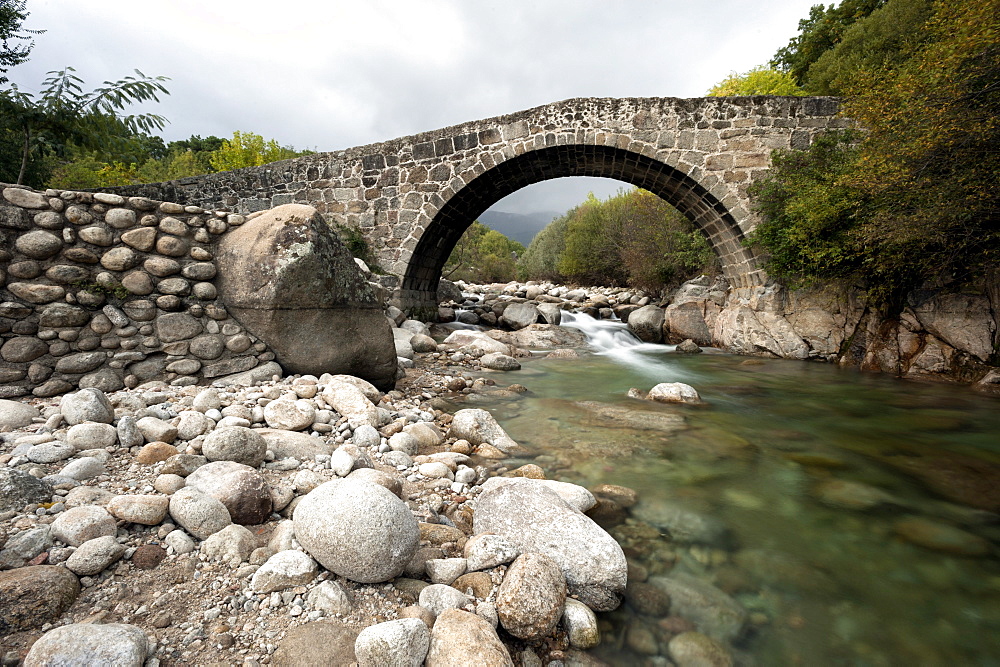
(412, 198)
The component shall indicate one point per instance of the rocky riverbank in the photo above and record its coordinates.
(305, 519)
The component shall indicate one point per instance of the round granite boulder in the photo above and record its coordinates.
(357, 529)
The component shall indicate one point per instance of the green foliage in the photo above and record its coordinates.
(915, 199)
(819, 33)
(15, 40)
(247, 149)
(809, 212)
(632, 238)
(758, 81)
(541, 258)
(483, 255)
(63, 114)
(196, 144)
(140, 158)
(355, 241)
(881, 40)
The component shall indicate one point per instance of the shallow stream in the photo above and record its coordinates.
(845, 512)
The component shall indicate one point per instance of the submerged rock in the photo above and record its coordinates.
(713, 612)
(940, 536)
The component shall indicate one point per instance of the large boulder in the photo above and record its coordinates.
(288, 279)
(519, 315)
(537, 519)
(357, 529)
(647, 324)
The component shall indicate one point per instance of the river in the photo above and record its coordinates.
(842, 510)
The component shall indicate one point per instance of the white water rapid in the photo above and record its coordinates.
(612, 339)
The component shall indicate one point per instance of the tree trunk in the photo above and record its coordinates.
(24, 155)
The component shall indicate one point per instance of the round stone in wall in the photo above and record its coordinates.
(78, 215)
(120, 259)
(120, 218)
(67, 274)
(38, 244)
(172, 246)
(36, 293)
(199, 271)
(174, 286)
(176, 326)
(99, 235)
(207, 347)
(138, 282)
(161, 267)
(204, 291)
(23, 349)
(25, 270)
(49, 220)
(142, 238)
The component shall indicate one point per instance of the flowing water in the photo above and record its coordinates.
(843, 511)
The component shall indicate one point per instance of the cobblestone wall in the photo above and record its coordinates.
(100, 290)
(413, 197)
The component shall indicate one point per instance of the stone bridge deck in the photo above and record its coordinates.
(413, 197)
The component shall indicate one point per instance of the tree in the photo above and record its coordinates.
(483, 255)
(758, 81)
(63, 114)
(912, 198)
(883, 39)
(541, 259)
(15, 41)
(818, 33)
(247, 149)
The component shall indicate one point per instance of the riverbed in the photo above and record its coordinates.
(851, 515)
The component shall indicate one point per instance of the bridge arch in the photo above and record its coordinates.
(439, 231)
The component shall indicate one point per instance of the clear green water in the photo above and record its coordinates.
(823, 584)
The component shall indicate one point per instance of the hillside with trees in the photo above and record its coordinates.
(909, 197)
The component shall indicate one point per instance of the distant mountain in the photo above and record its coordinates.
(520, 227)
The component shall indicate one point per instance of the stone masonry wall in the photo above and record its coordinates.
(99, 290)
(413, 197)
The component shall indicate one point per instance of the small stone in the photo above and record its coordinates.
(331, 598)
(445, 570)
(93, 556)
(284, 570)
(438, 597)
(400, 643)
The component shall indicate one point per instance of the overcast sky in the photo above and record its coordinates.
(327, 75)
